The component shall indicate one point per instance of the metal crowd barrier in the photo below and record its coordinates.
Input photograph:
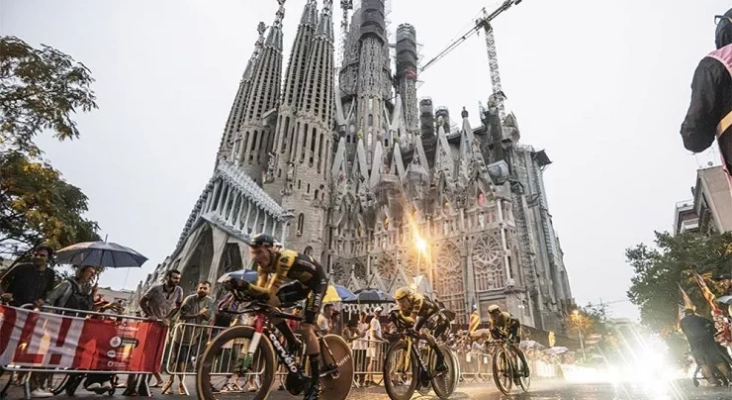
(59, 337)
(368, 361)
(186, 345)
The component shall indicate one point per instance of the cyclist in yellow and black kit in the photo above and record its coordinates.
(309, 282)
(505, 325)
(415, 310)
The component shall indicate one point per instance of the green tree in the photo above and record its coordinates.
(37, 205)
(39, 89)
(659, 271)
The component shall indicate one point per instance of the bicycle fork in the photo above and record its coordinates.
(424, 374)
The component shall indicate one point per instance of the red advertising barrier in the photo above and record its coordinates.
(32, 338)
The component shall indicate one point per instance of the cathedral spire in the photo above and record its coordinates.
(293, 86)
(237, 109)
(307, 155)
(255, 134)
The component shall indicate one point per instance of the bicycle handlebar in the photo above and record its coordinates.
(260, 307)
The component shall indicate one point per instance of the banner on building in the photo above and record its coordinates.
(39, 339)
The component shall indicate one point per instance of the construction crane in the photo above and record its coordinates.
(346, 5)
(498, 97)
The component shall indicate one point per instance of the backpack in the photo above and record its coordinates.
(78, 300)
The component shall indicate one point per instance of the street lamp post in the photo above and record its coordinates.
(576, 317)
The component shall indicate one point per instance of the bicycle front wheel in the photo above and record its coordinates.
(523, 374)
(502, 370)
(401, 371)
(227, 358)
(335, 353)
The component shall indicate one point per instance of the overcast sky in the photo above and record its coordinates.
(603, 87)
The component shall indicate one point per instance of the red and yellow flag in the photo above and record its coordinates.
(708, 295)
(687, 301)
(474, 321)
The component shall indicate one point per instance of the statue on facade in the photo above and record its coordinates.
(269, 176)
(289, 178)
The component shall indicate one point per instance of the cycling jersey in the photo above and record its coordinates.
(421, 306)
(310, 281)
(289, 264)
(506, 324)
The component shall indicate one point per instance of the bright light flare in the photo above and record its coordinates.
(644, 362)
(421, 244)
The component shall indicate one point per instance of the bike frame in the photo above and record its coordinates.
(260, 329)
(413, 349)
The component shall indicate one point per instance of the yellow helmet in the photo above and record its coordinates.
(493, 308)
(403, 292)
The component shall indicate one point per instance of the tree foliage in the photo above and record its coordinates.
(37, 205)
(659, 271)
(39, 89)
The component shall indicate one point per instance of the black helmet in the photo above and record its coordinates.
(261, 239)
(723, 35)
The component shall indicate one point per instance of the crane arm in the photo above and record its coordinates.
(451, 47)
(483, 22)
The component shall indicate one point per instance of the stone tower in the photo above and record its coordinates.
(305, 128)
(256, 133)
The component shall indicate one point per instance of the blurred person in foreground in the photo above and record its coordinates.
(708, 354)
(710, 111)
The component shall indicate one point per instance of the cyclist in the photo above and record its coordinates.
(503, 324)
(309, 282)
(415, 310)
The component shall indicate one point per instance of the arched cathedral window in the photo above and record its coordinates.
(300, 224)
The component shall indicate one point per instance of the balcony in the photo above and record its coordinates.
(689, 225)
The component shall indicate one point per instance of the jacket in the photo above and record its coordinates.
(710, 111)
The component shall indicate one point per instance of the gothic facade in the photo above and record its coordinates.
(384, 189)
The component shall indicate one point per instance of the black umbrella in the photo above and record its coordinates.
(103, 254)
(370, 296)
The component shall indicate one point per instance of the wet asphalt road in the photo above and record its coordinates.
(682, 390)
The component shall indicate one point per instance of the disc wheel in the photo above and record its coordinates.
(223, 357)
(502, 370)
(454, 366)
(334, 351)
(401, 371)
(442, 383)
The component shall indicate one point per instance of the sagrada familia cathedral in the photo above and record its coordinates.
(343, 162)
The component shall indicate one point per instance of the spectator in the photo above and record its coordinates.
(324, 319)
(196, 309)
(375, 343)
(30, 283)
(359, 349)
(76, 294)
(160, 302)
(335, 321)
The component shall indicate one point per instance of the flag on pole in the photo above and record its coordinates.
(708, 295)
(687, 301)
